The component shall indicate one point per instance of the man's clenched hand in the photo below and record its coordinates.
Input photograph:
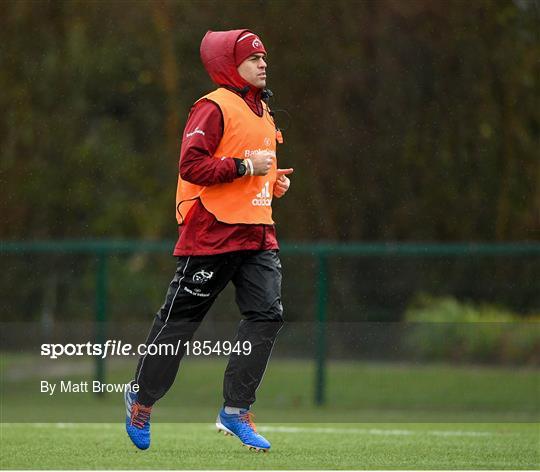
(262, 163)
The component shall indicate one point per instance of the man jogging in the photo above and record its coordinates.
(228, 176)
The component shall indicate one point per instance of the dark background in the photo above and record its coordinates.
(409, 120)
(405, 121)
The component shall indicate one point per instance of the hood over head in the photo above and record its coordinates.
(220, 55)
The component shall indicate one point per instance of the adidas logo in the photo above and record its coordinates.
(263, 198)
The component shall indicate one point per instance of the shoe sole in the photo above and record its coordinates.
(227, 432)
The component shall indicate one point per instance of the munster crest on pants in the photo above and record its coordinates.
(202, 276)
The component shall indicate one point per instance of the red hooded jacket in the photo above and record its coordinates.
(201, 234)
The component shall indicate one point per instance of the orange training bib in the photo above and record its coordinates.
(247, 199)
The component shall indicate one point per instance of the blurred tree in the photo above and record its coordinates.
(411, 120)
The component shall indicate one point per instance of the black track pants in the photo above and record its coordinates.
(197, 282)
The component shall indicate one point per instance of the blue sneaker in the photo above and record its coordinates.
(243, 427)
(137, 420)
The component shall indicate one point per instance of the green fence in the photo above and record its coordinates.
(102, 249)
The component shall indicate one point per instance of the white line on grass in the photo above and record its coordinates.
(69, 425)
(369, 431)
(295, 430)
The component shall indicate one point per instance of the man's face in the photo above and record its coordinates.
(253, 70)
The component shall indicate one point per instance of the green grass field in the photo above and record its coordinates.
(295, 446)
(377, 416)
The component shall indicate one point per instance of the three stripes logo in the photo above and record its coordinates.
(263, 198)
(129, 402)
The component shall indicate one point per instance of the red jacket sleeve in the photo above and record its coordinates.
(202, 134)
